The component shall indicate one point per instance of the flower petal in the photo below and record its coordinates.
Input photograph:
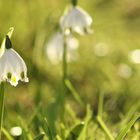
(11, 62)
(76, 19)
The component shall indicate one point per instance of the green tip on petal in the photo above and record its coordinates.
(10, 32)
(8, 43)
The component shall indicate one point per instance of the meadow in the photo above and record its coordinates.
(88, 92)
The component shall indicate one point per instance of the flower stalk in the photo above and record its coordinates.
(64, 60)
(64, 68)
(1, 106)
(74, 2)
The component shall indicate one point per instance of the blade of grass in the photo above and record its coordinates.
(100, 104)
(1, 106)
(34, 114)
(40, 136)
(7, 135)
(104, 127)
(99, 116)
(49, 131)
(71, 113)
(126, 129)
(130, 113)
(74, 93)
(83, 134)
(45, 126)
(26, 133)
(58, 137)
(75, 132)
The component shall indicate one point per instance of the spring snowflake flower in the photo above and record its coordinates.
(76, 19)
(12, 66)
(54, 48)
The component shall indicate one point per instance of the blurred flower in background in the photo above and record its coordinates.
(16, 131)
(77, 20)
(101, 49)
(124, 71)
(134, 56)
(54, 48)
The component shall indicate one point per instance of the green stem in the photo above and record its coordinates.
(64, 66)
(64, 77)
(99, 116)
(64, 60)
(1, 106)
(74, 2)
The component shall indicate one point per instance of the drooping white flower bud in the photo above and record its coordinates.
(77, 20)
(12, 66)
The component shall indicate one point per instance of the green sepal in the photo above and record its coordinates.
(2, 47)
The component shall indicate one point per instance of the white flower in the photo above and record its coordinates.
(16, 131)
(134, 56)
(12, 66)
(54, 48)
(76, 19)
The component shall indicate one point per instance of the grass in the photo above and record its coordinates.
(100, 104)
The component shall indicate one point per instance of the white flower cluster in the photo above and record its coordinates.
(12, 66)
(74, 20)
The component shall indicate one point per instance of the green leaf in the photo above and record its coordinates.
(126, 129)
